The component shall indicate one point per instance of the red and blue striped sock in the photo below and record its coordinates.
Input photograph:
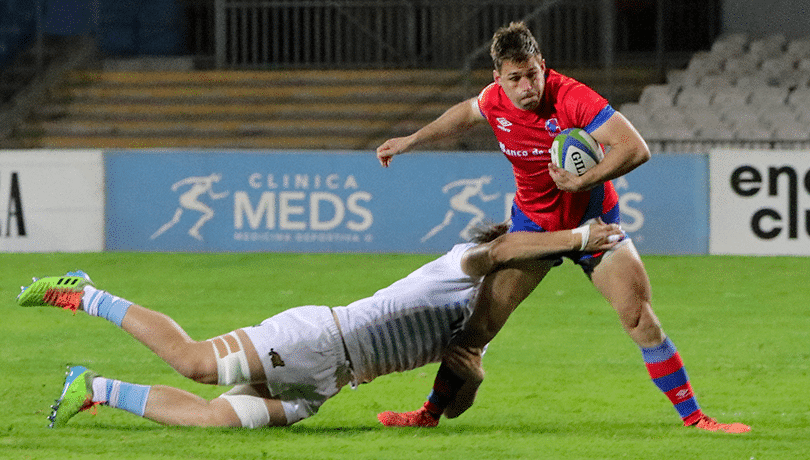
(445, 388)
(666, 369)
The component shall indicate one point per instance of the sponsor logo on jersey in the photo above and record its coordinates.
(521, 153)
(504, 124)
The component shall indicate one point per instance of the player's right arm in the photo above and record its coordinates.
(456, 119)
(501, 293)
(509, 263)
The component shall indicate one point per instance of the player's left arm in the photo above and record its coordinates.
(465, 363)
(625, 151)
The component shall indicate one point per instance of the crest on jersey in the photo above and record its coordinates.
(275, 359)
(553, 126)
(504, 124)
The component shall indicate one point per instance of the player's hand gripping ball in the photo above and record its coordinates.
(576, 151)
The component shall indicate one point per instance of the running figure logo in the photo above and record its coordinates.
(190, 199)
(460, 202)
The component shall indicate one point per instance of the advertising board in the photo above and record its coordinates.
(53, 201)
(760, 202)
(285, 201)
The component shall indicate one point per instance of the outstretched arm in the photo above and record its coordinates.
(510, 263)
(457, 118)
(518, 247)
(512, 272)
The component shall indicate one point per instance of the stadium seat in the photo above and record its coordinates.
(798, 48)
(703, 117)
(799, 97)
(777, 67)
(778, 116)
(713, 82)
(740, 117)
(715, 133)
(648, 131)
(694, 97)
(730, 44)
(705, 63)
(803, 114)
(755, 80)
(731, 97)
(727, 49)
(766, 47)
(797, 78)
(655, 96)
(769, 96)
(678, 79)
(664, 116)
(742, 65)
(753, 132)
(792, 132)
(677, 132)
(635, 112)
(340, 109)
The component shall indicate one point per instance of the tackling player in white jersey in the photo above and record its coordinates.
(284, 369)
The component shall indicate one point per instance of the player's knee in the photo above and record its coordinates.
(645, 329)
(648, 334)
(244, 411)
(198, 364)
(249, 411)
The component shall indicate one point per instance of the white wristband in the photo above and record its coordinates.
(585, 232)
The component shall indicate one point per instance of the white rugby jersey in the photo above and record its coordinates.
(408, 324)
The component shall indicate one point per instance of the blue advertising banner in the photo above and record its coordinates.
(299, 201)
(286, 201)
(664, 203)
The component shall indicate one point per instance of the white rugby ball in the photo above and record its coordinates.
(576, 151)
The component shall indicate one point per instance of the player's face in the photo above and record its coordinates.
(523, 82)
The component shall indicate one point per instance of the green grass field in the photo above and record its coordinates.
(563, 381)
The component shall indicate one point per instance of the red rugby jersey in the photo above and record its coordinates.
(525, 139)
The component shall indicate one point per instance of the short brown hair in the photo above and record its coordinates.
(488, 231)
(515, 43)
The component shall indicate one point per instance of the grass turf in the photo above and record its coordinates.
(563, 381)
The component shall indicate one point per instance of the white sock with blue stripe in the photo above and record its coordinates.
(105, 305)
(121, 395)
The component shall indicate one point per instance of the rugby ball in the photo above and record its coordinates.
(576, 151)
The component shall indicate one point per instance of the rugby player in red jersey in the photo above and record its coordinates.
(526, 106)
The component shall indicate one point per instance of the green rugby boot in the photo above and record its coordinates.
(77, 396)
(59, 291)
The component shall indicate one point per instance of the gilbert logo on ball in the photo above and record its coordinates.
(576, 151)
